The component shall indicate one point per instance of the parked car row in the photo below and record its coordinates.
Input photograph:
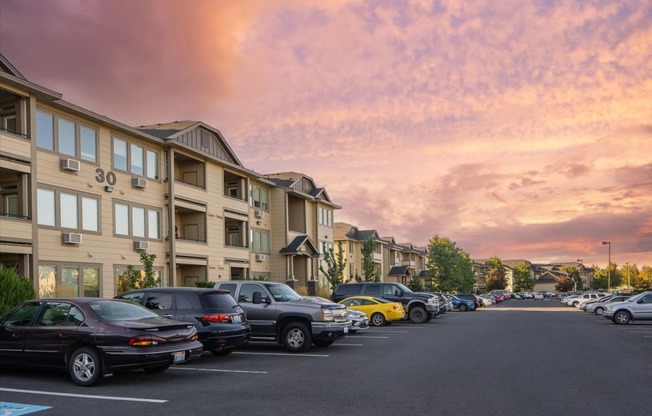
(153, 328)
(621, 308)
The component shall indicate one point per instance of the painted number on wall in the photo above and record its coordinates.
(108, 177)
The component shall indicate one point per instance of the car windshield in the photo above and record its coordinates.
(403, 288)
(120, 311)
(283, 293)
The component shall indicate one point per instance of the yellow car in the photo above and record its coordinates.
(380, 311)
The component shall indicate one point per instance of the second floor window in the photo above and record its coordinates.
(137, 221)
(77, 212)
(260, 241)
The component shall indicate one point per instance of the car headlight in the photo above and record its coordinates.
(327, 315)
(610, 308)
(432, 300)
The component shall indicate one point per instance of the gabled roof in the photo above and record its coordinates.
(7, 67)
(302, 184)
(301, 244)
(182, 131)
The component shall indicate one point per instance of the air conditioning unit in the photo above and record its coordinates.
(71, 165)
(141, 245)
(139, 182)
(259, 213)
(260, 257)
(72, 238)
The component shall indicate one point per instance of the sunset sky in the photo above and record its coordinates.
(520, 129)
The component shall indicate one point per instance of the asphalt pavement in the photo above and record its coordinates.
(522, 357)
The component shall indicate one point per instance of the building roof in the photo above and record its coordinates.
(301, 244)
(398, 271)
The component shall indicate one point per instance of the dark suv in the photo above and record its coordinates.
(420, 307)
(220, 321)
(477, 300)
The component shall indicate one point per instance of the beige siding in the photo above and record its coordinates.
(15, 146)
(15, 229)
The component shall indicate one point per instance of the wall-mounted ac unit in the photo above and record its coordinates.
(259, 213)
(71, 165)
(72, 238)
(139, 182)
(141, 245)
(260, 257)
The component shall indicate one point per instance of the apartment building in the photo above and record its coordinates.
(82, 196)
(352, 241)
(302, 225)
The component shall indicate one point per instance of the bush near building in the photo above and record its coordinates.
(15, 289)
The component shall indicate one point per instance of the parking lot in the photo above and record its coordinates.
(521, 357)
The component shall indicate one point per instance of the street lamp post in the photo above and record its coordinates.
(582, 276)
(627, 265)
(608, 243)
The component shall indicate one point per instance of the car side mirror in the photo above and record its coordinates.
(258, 298)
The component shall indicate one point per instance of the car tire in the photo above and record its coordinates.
(323, 343)
(222, 353)
(622, 318)
(296, 337)
(157, 369)
(598, 311)
(85, 366)
(418, 315)
(463, 307)
(377, 319)
(575, 304)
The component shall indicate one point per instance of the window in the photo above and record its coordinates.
(71, 139)
(135, 158)
(68, 280)
(67, 141)
(44, 130)
(119, 154)
(260, 241)
(11, 205)
(152, 164)
(260, 198)
(325, 216)
(69, 207)
(159, 301)
(137, 221)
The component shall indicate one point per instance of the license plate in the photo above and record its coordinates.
(179, 356)
(236, 319)
(346, 329)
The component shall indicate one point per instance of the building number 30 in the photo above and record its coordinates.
(108, 177)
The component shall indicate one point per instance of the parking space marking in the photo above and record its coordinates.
(289, 354)
(83, 396)
(386, 330)
(19, 409)
(340, 344)
(370, 337)
(217, 370)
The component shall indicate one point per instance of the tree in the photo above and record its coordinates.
(415, 284)
(448, 266)
(496, 276)
(336, 263)
(565, 284)
(15, 288)
(606, 277)
(523, 279)
(574, 274)
(369, 271)
(644, 279)
(138, 279)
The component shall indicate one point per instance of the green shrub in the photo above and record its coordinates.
(15, 289)
(204, 283)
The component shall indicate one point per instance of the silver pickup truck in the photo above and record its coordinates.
(275, 311)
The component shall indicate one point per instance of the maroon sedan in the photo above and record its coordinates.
(92, 338)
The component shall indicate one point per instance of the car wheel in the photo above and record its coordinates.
(324, 343)
(377, 319)
(622, 317)
(85, 366)
(598, 311)
(296, 337)
(575, 304)
(158, 369)
(222, 353)
(463, 307)
(418, 315)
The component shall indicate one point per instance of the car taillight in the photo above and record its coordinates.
(394, 307)
(146, 341)
(217, 318)
(192, 336)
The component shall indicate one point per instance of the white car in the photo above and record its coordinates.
(585, 298)
(636, 308)
(538, 296)
(488, 300)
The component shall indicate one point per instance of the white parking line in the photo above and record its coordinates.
(370, 337)
(217, 370)
(83, 396)
(340, 344)
(282, 354)
(386, 330)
